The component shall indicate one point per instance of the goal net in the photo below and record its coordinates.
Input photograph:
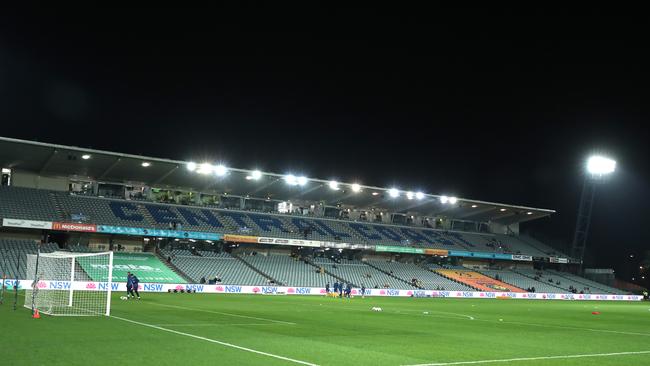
(72, 284)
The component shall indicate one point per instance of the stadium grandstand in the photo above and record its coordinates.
(197, 222)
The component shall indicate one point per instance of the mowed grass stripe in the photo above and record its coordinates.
(331, 332)
(226, 344)
(593, 355)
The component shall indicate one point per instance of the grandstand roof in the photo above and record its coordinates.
(105, 166)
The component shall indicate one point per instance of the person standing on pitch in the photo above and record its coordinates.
(348, 290)
(336, 287)
(132, 285)
(327, 289)
(363, 291)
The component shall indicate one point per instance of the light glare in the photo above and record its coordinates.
(600, 165)
(419, 195)
(256, 174)
(291, 179)
(453, 200)
(356, 187)
(409, 195)
(220, 170)
(191, 166)
(444, 199)
(302, 181)
(146, 164)
(334, 185)
(85, 156)
(393, 192)
(205, 168)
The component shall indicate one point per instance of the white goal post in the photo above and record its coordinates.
(70, 284)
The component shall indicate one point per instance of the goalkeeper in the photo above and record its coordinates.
(132, 285)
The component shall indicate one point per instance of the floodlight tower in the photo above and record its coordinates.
(598, 169)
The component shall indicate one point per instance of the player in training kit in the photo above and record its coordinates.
(336, 288)
(348, 290)
(327, 289)
(132, 285)
(363, 291)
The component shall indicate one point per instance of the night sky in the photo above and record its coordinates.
(492, 104)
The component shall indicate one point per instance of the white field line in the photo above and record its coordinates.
(570, 328)
(533, 358)
(212, 324)
(222, 313)
(216, 341)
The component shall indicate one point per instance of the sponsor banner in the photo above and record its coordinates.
(558, 260)
(461, 253)
(519, 257)
(72, 226)
(270, 290)
(240, 238)
(439, 252)
(394, 249)
(123, 230)
(283, 241)
(27, 224)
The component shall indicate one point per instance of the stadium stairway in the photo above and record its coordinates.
(478, 280)
(562, 289)
(175, 269)
(309, 261)
(500, 279)
(392, 275)
(584, 282)
(265, 275)
(60, 210)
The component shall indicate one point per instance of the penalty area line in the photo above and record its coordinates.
(222, 313)
(226, 344)
(532, 358)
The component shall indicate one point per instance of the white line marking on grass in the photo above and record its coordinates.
(222, 313)
(533, 358)
(566, 327)
(444, 312)
(215, 341)
(212, 324)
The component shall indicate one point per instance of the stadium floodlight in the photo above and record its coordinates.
(474, 206)
(302, 180)
(444, 199)
(410, 195)
(529, 213)
(419, 195)
(205, 168)
(220, 170)
(86, 156)
(146, 164)
(453, 200)
(334, 185)
(503, 210)
(393, 192)
(291, 179)
(191, 166)
(255, 175)
(600, 165)
(356, 187)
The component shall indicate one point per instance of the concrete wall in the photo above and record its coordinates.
(32, 180)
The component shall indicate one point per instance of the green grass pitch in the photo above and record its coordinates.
(193, 329)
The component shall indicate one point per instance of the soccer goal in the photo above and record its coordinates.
(70, 284)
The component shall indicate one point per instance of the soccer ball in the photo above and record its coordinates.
(376, 308)
(123, 298)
